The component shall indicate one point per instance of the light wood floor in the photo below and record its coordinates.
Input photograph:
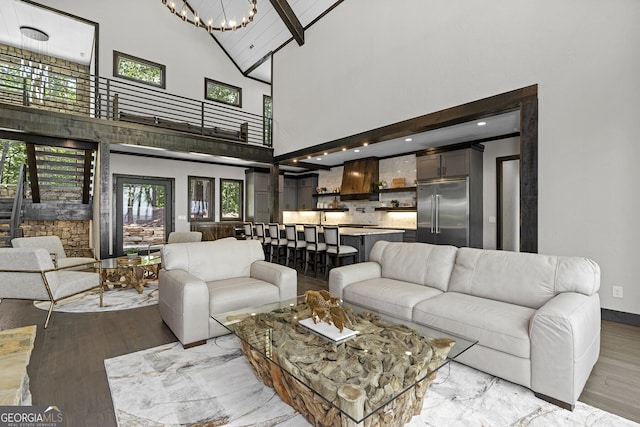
(67, 368)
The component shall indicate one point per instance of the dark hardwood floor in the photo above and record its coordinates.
(67, 369)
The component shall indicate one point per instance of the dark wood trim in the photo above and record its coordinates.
(274, 194)
(289, 19)
(483, 108)
(452, 147)
(499, 201)
(33, 172)
(323, 14)
(256, 65)
(51, 141)
(103, 173)
(53, 210)
(620, 317)
(529, 175)
(86, 179)
(242, 201)
(51, 124)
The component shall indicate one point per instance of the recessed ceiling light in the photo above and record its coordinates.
(295, 160)
(408, 139)
(356, 151)
(344, 148)
(319, 158)
(308, 157)
(481, 123)
(325, 153)
(365, 144)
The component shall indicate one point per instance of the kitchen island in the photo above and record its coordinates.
(363, 239)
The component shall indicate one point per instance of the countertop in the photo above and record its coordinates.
(354, 231)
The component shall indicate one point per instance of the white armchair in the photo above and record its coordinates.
(54, 246)
(203, 278)
(29, 273)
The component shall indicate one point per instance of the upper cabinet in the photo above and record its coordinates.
(297, 192)
(447, 164)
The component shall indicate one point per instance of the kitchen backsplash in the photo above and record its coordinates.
(362, 212)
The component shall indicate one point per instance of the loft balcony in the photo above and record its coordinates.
(49, 100)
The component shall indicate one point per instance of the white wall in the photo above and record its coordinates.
(146, 29)
(122, 164)
(374, 62)
(492, 150)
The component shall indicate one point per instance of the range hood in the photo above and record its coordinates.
(358, 180)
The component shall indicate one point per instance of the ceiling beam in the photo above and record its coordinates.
(290, 19)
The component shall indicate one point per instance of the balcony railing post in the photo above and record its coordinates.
(109, 110)
(25, 93)
(201, 117)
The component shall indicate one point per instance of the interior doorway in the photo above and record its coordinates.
(508, 197)
(144, 212)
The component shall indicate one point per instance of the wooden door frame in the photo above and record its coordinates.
(499, 202)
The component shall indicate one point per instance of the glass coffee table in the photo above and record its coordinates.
(382, 371)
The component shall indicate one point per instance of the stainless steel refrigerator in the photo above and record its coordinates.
(444, 213)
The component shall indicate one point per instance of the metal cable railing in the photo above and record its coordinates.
(56, 88)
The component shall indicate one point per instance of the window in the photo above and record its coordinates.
(222, 92)
(231, 200)
(37, 81)
(201, 198)
(267, 119)
(139, 70)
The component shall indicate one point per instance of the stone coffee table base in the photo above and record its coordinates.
(360, 374)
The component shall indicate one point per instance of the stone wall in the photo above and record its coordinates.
(81, 105)
(74, 234)
(7, 191)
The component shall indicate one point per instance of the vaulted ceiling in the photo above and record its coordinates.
(277, 22)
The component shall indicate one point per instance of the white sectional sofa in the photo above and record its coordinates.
(200, 279)
(536, 317)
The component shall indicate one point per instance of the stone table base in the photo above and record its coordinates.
(15, 351)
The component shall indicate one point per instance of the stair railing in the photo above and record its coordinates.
(16, 211)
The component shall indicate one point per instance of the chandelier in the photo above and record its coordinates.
(188, 14)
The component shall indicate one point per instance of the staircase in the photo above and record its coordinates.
(60, 173)
(11, 212)
(6, 205)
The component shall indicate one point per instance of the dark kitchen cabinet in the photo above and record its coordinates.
(297, 192)
(290, 194)
(305, 191)
(449, 164)
(258, 187)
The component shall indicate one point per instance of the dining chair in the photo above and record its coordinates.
(314, 249)
(295, 246)
(248, 231)
(335, 249)
(277, 243)
(262, 237)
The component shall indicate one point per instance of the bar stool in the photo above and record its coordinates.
(277, 242)
(314, 248)
(294, 245)
(263, 238)
(335, 249)
(248, 231)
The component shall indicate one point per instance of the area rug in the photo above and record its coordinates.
(213, 384)
(112, 300)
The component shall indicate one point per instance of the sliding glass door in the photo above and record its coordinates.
(144, 212)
